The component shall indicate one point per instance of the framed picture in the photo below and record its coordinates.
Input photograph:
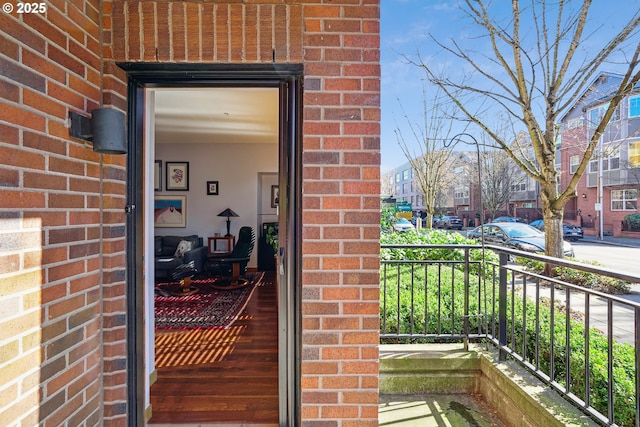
(157, 176)
(177, 176)
(212, 188)
(170, 211)
(275, 196)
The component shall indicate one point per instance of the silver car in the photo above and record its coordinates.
(515, 235)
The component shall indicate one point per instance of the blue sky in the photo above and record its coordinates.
(405, 28)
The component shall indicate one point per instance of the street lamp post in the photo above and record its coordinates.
(466, 298)
(477, 145)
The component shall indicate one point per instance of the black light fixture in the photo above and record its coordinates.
(228, 213)
(584, 196)
(106, 128)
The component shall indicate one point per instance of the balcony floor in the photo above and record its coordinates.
(453, 410)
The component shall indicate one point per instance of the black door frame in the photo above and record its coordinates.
(289, 79)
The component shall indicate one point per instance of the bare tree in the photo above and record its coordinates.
(533, 74)
(386, 187)
(428, 151)
(499, 173)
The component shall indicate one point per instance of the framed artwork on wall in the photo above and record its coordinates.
(275, 196)
(177, 176)
(212, 188)
(157, 176)
(170, 211)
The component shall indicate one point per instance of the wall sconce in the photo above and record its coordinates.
(106, 128)
(584, 196)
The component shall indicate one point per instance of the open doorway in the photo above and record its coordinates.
(216, 152)
(212, 348)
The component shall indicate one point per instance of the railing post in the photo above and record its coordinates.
(502, 307)
(466, 299)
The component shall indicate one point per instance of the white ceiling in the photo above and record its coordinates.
(216, 115)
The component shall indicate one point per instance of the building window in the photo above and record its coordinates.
(634, 154)
(624, 200)
(634, 106)
(575, 123)
(461, 193)
(596, 115)
(405, 188)
(405, 174)
(574, 161)
(527, 205)
(608, 163)
(519, 187)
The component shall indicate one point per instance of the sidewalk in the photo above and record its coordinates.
(608, 240)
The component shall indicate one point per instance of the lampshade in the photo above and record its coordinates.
(228, 212)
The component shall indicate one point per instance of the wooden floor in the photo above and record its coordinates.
(221, 377)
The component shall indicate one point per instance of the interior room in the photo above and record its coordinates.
(215, 157)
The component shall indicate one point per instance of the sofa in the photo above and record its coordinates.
(167, 258)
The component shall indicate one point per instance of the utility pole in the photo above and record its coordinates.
(600, 190)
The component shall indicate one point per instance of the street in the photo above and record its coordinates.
(623, 259)
(618, 258)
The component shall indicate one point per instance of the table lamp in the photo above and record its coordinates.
(228, 213)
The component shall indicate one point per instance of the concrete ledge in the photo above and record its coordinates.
(518, 397)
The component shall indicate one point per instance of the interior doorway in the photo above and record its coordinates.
(142, 86)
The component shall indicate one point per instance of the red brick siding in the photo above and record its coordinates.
(340, 290)
(61, 216)
(339, 46)
(56, 240)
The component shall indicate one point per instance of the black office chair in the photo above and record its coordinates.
(234, 264)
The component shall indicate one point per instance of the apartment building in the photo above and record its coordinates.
(608, 190)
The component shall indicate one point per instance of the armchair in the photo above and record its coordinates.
(166, 259)
(234, 264)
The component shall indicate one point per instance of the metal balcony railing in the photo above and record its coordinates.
(583, 343)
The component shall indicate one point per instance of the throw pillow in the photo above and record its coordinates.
(183, 247)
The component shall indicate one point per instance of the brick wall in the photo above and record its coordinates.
(341, 214)
(61, 207)
(339, 46)
(61, 224)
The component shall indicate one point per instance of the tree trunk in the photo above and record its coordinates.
(428, 222)
(554, 241)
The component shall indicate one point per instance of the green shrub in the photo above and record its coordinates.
(433, 237)
(585, 279)
(634, 221)
(623, 357)
(435, 295)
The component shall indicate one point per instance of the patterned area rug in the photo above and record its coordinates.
(213, 307)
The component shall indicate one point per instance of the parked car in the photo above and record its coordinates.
(508, 219)
(514, 235)
(403, 224)
(449, 222)
(570, 232)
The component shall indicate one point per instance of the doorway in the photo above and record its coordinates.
(287, 81)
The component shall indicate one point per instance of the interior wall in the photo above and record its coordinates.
(236, 168)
